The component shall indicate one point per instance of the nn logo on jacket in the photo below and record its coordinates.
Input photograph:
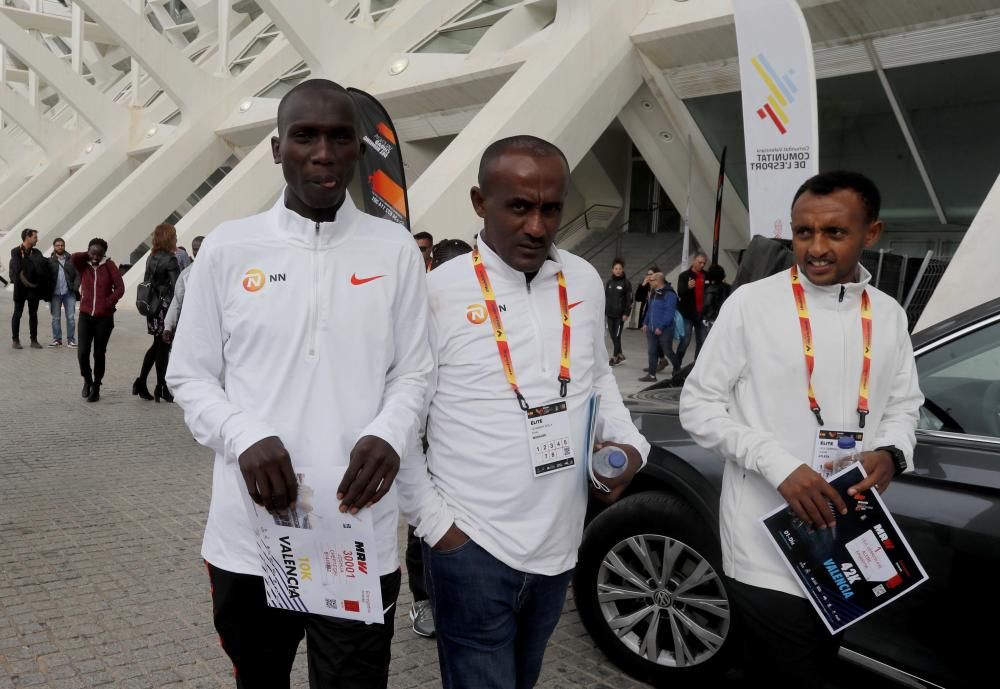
(255, 279)
(477, 314)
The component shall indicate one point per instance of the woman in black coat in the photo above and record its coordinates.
(162, 271)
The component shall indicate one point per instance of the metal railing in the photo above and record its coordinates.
(592, 216)
(911, 281)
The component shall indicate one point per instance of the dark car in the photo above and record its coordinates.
(648, 584)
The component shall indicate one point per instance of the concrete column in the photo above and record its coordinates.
(568, 92)
(92, 105)
(971, 276)
(223, 38)
(183, 81)
(76, 45)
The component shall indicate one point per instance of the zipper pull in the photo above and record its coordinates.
(842, 290)
(317, 234)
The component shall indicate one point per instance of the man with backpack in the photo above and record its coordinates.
(659, 326)
(30, 285)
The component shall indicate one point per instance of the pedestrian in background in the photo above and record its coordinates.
(425, 242)
(617, 306)
(717, 290)
(67, 287)
(691, 291)
(640, 299)
(162, 272)
(174, 311)
(421, 613)
(101, 287)
(26, 293)
(659, 326)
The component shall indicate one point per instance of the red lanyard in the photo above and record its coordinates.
(807, 347)
(501, 335)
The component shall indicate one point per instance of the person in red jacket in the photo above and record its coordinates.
(101, 287)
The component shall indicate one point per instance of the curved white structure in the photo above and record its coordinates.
(120, 114)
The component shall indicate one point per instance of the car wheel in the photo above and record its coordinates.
(649, 589)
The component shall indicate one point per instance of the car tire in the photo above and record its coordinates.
(663, 527)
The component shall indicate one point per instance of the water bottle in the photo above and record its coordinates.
(609, 462)
(848, 455)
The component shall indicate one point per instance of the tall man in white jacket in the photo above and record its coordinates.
(749, 397)
(273, 372)
(517, 330)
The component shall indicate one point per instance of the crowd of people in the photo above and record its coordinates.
(93, 282)
(474, 362)
(665, 316)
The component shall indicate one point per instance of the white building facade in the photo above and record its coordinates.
(121, 114)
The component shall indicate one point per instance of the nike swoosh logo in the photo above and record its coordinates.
(576, 303)
(355, 280)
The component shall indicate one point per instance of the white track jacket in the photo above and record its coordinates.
(746, 398)
(480, 474)
(314, 333)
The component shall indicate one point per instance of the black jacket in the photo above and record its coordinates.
(688, 304)
(716, 294)
(617, 297)
(24, 285)
(72, 276)
(162, 271)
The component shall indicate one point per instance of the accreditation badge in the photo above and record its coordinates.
(829, 455)
(549, 439)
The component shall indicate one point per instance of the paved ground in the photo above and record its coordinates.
(101, 514)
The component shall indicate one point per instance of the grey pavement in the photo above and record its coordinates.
(101, 514)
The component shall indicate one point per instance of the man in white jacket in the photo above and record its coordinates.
(517, 330)
(751, 397)
(273, 373)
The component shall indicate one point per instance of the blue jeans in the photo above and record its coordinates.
(663, 344)
(493, 622)
(696, 328)
(67, 301)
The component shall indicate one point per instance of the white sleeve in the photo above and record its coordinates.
(615, 421)
(902, 409)
(420, 502)
(707, 395)
(406, 380)
(196, 370)
(174, 312)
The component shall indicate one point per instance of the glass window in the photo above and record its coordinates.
(954, 107)
(486, 6)
(961, 381)
(857, 131)
(455, 41)
(178, 11)
(257, 47)
(173, 119)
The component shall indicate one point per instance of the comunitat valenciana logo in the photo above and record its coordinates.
(476, 313)
(254, 280)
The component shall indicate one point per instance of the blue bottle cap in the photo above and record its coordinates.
(617, 459)
(846, 442)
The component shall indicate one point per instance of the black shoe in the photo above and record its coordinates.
(139, 388)
(35, 344)
(95, 392)
(162, 393)
(165, 394)
(17, 344)
(86, 390)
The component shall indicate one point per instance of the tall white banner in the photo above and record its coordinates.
(778, 83)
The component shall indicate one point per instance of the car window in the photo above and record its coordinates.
(961, 381)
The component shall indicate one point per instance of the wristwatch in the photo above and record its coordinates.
(898, 459)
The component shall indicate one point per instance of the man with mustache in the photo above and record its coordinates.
(273, 373)
(517, 330)
(810, 348)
